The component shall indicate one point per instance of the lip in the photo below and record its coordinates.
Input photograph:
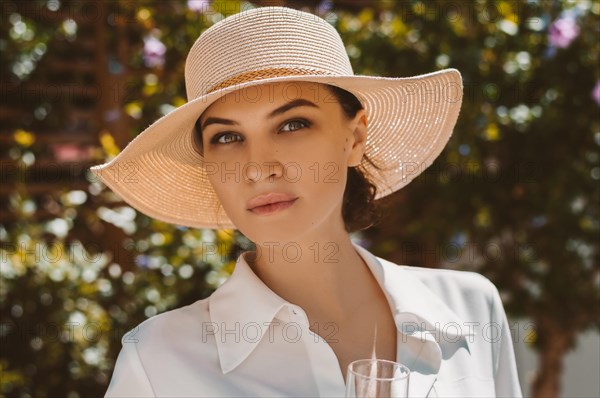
(267, 201)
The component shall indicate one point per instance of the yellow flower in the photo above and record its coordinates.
(225, 235)
(228, 267)
(108, 144)
(178, 101)
(531, 337)
(24, 138)
(483, 218)
(492, 133)
(134, 110)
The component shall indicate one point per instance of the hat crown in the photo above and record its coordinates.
(261, 43)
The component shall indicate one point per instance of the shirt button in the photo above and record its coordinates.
(294, 312)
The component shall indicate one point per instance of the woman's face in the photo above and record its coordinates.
(288, 138)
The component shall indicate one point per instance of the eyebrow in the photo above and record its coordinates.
(278, 111)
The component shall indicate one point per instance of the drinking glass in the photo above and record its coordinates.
(377, 378)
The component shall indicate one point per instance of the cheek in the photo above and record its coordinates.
(225, 190)
(322, 184)
(321, 165)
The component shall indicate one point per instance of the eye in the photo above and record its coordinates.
(224, 138)
(295, 124)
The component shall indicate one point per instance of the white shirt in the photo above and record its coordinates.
(245, 340)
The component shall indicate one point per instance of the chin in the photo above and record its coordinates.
(271, 237)
(270, 233)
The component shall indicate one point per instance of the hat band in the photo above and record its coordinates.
(265, 74)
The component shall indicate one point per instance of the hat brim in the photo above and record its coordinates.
(410, 120)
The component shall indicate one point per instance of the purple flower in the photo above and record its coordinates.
(596, 93)
(142, 261)
(324, 6)
(562, 32)
(154, 52)
(198, 5)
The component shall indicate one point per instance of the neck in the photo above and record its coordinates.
(321, 276)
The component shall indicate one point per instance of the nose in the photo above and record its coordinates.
(262, 164)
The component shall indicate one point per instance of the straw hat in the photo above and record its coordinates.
(161, 174)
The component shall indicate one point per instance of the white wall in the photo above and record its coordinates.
(581, 368)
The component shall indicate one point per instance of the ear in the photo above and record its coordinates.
(359, 138)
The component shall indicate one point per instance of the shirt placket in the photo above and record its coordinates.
(323, 361)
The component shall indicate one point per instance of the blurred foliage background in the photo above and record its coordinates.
(514, 196)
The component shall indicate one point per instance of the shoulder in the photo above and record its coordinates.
(174, 345)
(467, 282)
(170, 325)
(469, 294)
(466, 289)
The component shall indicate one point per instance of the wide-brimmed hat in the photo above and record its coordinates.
(161, 172)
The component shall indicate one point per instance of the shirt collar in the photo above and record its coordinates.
(413, 304)
(244, 299)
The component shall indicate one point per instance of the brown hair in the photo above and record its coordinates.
(359, 209)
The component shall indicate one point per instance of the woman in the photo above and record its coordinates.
(281, 141)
